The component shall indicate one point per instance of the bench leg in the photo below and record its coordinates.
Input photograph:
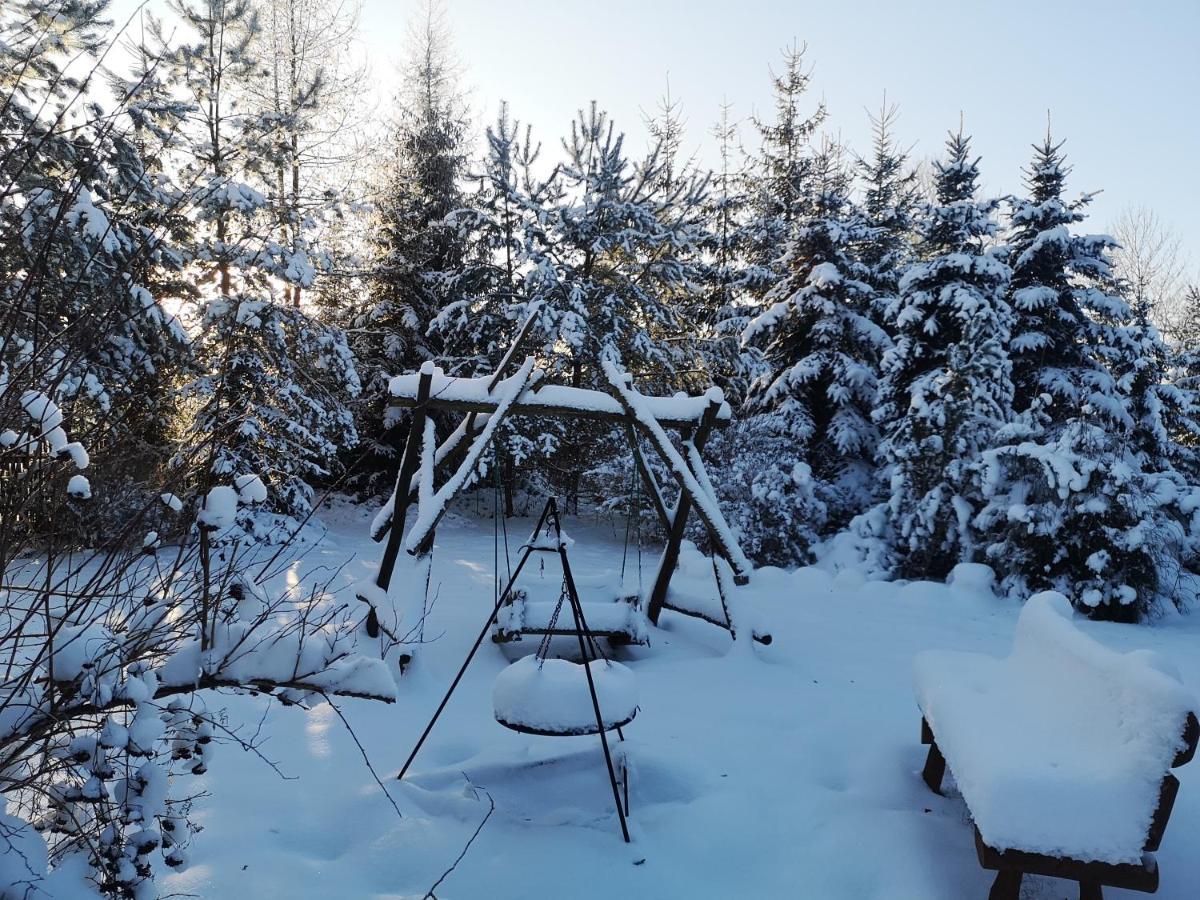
(1090, 890)
(935, 768)
(1007, 885)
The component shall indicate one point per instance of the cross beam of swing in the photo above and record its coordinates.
(473, 395)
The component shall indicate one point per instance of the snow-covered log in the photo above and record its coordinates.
(476, 395)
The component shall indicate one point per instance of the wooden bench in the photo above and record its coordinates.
(1061, 752)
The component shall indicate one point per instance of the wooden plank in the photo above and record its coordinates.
(1162, 812)
(408, 468)
(1191, 734)
(532, 406)
(670, 557)
(1130, 876)
(935, 767)
(1007, 886)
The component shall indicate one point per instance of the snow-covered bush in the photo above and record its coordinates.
(1078, 514)
(110, 657)
(109, 660)
(769, 495)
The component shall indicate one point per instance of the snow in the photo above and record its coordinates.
(792, 765)
(250, 489)
(554, 696)
(78, 453)
(47, 420)
(1061, 747)
(220, 508)
(79, 487)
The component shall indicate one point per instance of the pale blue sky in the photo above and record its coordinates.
(1120, 78)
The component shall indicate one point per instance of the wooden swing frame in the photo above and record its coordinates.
(524, 393)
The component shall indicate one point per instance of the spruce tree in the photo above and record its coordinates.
(270, 398)
(1049, 293)
(946, 384)
(822, 353)
(726, 273)
(416, 252)
(1081, 488)
(889, 204)
(780, 172)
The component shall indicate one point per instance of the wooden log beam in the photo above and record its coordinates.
(706, 507)
(648, 479)
(670, 556)
(1141, 876)
(469, 428)
(408, 468)
(759, 638)
(534, 406)
(423, 531)
(467, 431)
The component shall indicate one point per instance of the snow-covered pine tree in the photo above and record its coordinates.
(613, 262)
(946, 384)
(477, 328)
(271, 395)
(778, 175)
(1081, 488)
(313, 95)
(1053, 338)
(608, 255)
(822, 352)
(416, 254)
(890, 199)
(726, 272)
(82, 225)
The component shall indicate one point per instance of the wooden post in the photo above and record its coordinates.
(670, 557)
(648, 477)
(1007, 885)
(408, 468)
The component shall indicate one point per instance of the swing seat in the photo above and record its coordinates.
(552, 698)
(621, 621)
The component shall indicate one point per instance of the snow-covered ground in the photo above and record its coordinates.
(791, 771)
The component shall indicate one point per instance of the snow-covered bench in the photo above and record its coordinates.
(1061, 751)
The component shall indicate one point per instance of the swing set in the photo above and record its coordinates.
(488, 400)
(539, 695)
